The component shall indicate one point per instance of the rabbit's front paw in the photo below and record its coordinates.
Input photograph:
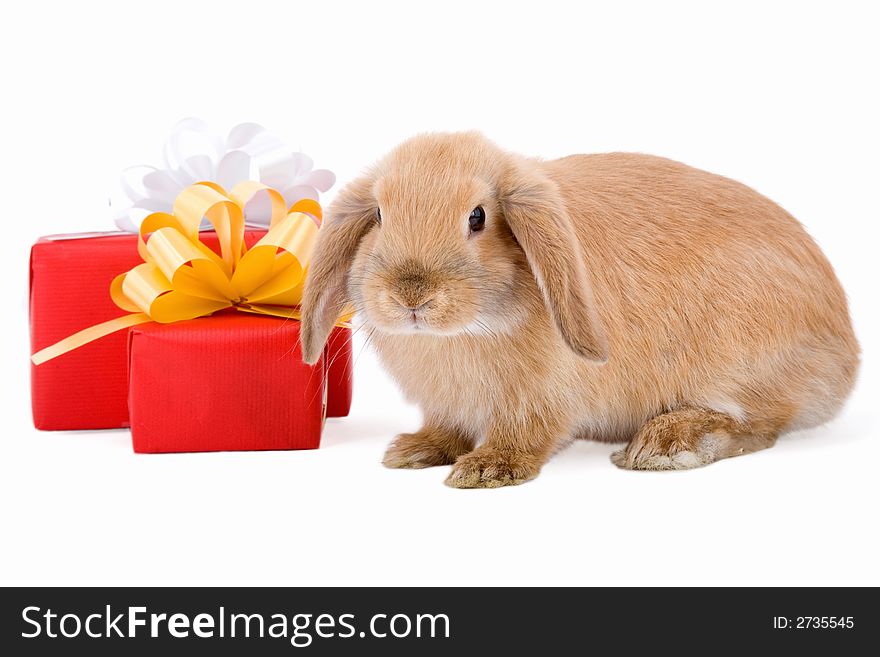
(489, 467)
(425, 448)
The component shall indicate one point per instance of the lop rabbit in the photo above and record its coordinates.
(617, 297)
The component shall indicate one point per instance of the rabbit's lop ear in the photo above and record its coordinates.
(325, 296)
(538, 218)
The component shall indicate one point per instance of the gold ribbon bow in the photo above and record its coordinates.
(181, 278)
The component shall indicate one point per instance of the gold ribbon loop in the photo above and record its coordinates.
(182, 278)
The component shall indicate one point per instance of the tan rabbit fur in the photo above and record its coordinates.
(614, 297)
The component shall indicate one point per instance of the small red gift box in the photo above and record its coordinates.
(227, 382)
(87, 388)
(340, 364)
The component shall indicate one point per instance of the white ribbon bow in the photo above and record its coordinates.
(193, 153)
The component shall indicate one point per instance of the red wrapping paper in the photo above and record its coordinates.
(226, 382)
(87, 388)
(340, 364)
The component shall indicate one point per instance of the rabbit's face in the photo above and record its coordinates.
(440, 259)
(449, 235)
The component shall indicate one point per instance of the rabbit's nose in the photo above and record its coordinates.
(410, 304)
(412, 286)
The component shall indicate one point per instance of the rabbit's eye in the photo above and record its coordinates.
(378, 216)
(477, 219)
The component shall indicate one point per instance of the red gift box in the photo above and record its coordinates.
(231, 381)
(340, 364)
(69, 290)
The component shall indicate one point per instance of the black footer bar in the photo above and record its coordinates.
(428, 621)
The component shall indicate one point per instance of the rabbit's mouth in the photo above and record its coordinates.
(412, 318)
(441, 299)
(415, 317)
(433, 321)
(418, 324)
(411, 321)
(440, 309)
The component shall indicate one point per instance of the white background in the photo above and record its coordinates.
(782, 96)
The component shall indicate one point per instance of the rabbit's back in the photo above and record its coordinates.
(711, 293)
